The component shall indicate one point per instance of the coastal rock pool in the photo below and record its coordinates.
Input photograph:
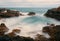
(29, 25)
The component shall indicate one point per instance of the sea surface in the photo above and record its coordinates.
(29, 25)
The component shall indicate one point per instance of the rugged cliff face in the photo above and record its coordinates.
(53, 13)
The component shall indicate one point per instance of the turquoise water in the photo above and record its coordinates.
(37, 10)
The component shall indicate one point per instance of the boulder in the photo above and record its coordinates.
(14, 32)
(31, 13)
(3, 29)
(53, 13)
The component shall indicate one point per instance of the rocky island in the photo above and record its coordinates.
(53, 13)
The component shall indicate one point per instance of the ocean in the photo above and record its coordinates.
(29, 25)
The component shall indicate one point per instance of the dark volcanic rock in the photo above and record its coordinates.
(41, 38)
(3, 29)
(6, 13)
(16, 38)
(31, 13)
(53, 31)
(28, 39)
(53, 13)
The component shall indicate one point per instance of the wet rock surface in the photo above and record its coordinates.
(6, 13)
(53, 31)
(31, 13)
(53, 13)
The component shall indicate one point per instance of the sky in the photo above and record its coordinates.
(29, 3)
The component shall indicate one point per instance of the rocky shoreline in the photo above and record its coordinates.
(12, 36)
(52, 30)
(53, 13)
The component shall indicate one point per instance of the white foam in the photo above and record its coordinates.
(25, 14)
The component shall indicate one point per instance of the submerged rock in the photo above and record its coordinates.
(53, 13)
(31, 13)
(6, 13)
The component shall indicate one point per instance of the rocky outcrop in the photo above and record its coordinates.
(12, 36)
(6, 13)
(3, 29)
(53, 13)
(31, 13)
(53, 31)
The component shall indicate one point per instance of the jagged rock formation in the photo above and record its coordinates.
(53, 13)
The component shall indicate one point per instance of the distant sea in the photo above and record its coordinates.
(29, 25)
